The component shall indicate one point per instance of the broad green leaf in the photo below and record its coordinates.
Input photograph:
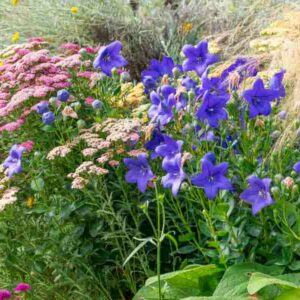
(289, 295)
(259, 280)
(179, 284)
(235, 280)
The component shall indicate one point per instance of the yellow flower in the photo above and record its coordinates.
(15, 37)
(30, 202)
(15, 2)
(1, 63)
(213, 47)
(186, 27)
(74, 9)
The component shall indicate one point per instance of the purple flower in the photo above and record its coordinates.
(158, 69)
(139, 171)
(175, 174)
(282, 115)
(48, 118)
(22, 287)
(42, 107)
(161, 109)
(245, 67)
(259, 99)
(276, 84)
(5, 294)
(212, 178)
(156, 140)
(198, 58)
(188, 83)
(63, 95)
(97, 104)
(169, 148)
(214, 85)
(212, 109)
(14, 160)
(296, 167)
(258, 194)
(149, 83)
(209, 156)
(109, 57)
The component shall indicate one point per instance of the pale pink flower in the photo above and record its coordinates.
(89, 152)
(89, 100)
(60, 151)
(79, 183)
(136, 152)
(68, 111)
(86, 74)
(113, 163)
(28, 145)
(8, 197)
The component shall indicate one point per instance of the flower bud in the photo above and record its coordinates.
(278, 178)
(76, 105)
(80, 124)
(282, 115)
(114, 73)
(288, 182)
(293, 174)
(259, 123)
(63, 95)
(125, 77)
(295, 189)
(191, 96)
(82, 51)
(48, 118)
(275, 134)
(176, 72)
(53, 101)
(275, 190)
(184, 186)
(165, 79)
(97, 104)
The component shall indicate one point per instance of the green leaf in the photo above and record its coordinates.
(235, 280)
(179, 284)
(37, 184)
(289, 295)
(136, 249)
(259, 280)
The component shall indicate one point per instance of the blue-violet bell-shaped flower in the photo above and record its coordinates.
(258, 193)
(109, 57)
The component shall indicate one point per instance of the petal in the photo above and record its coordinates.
(296, 167)
(189, 51)
(189, 65)
(202, 48)
(211, 190)
(131, 177)
(114, 47)
(142, 183)
(249, 195)
(166, 90)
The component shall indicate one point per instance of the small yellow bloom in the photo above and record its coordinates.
(30, 202)
(1, 63)
(15, 2)
(15, 37)
(186, 27)
(74, 9)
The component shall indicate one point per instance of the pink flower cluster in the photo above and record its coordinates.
(30, 72)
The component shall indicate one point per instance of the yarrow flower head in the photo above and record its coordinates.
(48, 118)
(63, 95)
(22, 287)
(259, 99)
(175, 174)
(212, 109)
(139, 171)
(258, 193)
(109, 57)
(198, 58)
(212, 178)
(5, 294)
(13, 161)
